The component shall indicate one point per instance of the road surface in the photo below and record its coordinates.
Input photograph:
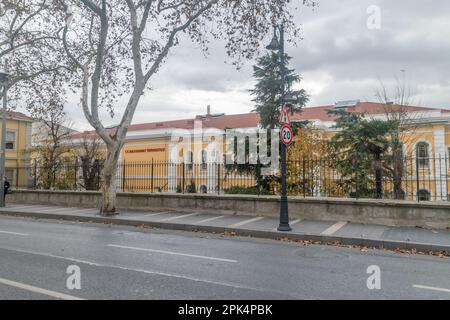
(133, 263)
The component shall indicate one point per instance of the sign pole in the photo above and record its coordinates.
(284, 215)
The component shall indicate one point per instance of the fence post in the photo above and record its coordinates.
(35, 175)
(123, 176)
(446, 177)
(151, 181)
(357, 179)
(183, 177)
(218, 178)
(76, 171)
(440, 176)
(17, 176)
(304, 177)
(417, 180)
(99, 172)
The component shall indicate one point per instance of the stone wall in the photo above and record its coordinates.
(382, 212)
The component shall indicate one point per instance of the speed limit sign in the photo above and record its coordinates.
(287, 135)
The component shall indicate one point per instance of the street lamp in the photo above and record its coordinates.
(4, 78)
(277, 44)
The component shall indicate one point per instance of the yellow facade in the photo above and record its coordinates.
(18, 141)
(139, 153)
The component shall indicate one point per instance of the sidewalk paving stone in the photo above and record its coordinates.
(361, 231)
(265, 227)
(311, 227)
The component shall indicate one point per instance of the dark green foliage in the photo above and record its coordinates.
(360, 145)
(268, 89)
(191, 188)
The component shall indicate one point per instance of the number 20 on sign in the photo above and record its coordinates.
(287, 135)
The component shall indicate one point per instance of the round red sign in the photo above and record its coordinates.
(287, 135)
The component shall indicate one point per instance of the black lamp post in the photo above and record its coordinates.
(278, 45)
(4, 78)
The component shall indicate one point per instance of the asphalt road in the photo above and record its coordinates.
(132, 263)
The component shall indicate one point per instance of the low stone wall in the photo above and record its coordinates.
(382, 212)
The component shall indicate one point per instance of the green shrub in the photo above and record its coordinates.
(190, 188)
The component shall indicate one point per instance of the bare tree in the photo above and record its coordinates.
(51, 144)
(403, 122)
(91, 155)
(118, 46)
(29, 49)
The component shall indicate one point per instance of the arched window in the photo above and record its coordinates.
(204, 158)
(422, 154)
(189, 159)
(424, 195)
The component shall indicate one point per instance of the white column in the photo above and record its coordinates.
(440, 174)
(211, 166)
(172, 168)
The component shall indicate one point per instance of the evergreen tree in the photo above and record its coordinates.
(360, 145)
(268, 89)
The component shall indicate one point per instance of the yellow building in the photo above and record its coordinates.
(146, 162)
(18, 141)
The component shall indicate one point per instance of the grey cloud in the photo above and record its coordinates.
(339, 59)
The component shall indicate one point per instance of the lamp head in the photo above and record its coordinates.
(4, 76)
(274, 44)
(290, 98)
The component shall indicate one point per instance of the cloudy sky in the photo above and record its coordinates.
(340, 58)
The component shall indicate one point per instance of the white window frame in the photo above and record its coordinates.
(14, 142)
(429, 151)
(11, 181)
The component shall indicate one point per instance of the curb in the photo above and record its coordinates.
(276, 235)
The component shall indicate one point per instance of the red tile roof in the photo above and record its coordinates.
(247, 120)
(17, 115)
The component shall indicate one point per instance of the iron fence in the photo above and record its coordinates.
(407, 178)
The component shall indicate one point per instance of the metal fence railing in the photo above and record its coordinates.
(426, 179)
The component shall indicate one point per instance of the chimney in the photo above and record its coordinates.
(208, 110)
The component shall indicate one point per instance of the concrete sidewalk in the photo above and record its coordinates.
(406, 238)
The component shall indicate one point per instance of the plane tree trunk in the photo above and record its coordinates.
(109, 182)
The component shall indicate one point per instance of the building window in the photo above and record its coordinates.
(204, 164)
(10, 140)
(189, 160)
(10, 175)
(422, 154)
(424, 195)
(447, 157)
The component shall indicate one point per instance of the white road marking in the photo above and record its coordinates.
(15, 233)
(18, 207)
(46, 292)
(36, 208)
(173, 253)
(210, 219)
(101, 265)
(152, 272)
(334, 228)
(89, 210)
(179, 217)
(242, 223)
(56, 209)
(290, 223)
(430, 288)
(152, 214)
